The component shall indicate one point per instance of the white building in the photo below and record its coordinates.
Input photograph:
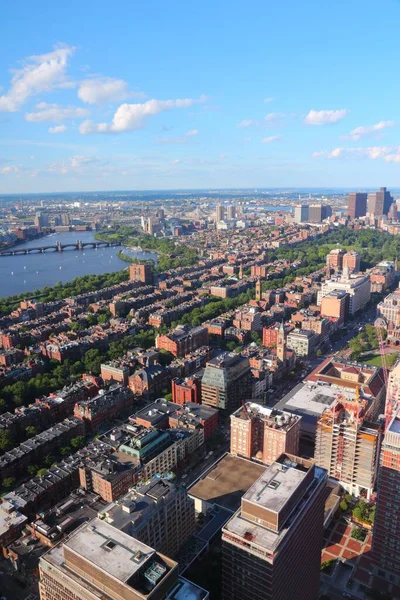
(358, 288)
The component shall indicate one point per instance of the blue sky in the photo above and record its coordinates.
(165, 95)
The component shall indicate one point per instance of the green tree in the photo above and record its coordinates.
(8, 483)
(65, 451)
(92, 361)
(30, 431)
(6, 439)
(32, 470)
(42, 471)
(78, 442)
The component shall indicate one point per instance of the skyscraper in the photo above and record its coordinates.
(386, 538)
(357, 204)
(230, 212)
(219, 213)
(271, 547)
(301, 213)
(379, 202)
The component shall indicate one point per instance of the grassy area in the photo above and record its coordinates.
(376, 359)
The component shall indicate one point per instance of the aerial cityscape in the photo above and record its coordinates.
(200, 301)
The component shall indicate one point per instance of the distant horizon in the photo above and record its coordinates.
(207, 190)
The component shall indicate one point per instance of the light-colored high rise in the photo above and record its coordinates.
(358, 288)
(347, 445)
(231, 212)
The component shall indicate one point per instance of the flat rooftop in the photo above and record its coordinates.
(311, 399)
(110, 550)
(275, 486)
(227, 481)
(186, 590)
(259, 536)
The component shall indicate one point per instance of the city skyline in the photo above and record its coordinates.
(159, 99)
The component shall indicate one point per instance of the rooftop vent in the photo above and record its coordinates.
(110, 545)
(274, 484)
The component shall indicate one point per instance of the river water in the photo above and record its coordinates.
(29, 272)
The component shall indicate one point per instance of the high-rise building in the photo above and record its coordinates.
(231, 212)
(262, 433)
(357, 205)
(159, 514)
(352, 262)
(347, 445)
(226, 381)
(318, 212)
(219, 213)
(301, 213)
(99, 561)
(143, 273)
(380, 202)
(386, 534)
(65, 219)
(41, 219)
(271, 547)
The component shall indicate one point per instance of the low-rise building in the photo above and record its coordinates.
(105, 407)
(303, 342)
(183, 340)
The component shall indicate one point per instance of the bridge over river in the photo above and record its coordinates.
(59, 247)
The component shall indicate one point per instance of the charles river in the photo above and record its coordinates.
(29, 272)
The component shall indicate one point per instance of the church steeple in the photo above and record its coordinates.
(258, 290)
(281, 344)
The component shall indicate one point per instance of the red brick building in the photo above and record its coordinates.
(149, 381)
(186, 390)
(104, 407)
(183, 340)
(141, 272)
(110, 477)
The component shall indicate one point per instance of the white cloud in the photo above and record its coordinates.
(274, 116)
(372, 152)
(178, 140)
(77, 163)
(100, 90)
(248, 123)
(393, 156)
(192, 132)
(325, 117)
(268, 100)
(130, 117)
(38, 74)
(247, 139)
(9, 169)
(57, 129)
(270, 139)
(54, 113)
(177, 161)
(359, 132)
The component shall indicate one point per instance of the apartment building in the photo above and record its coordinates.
(347, 445)
(263, 434)
(183, 340)
(109, 476)
(141, 272)
(303, 342)
(159, 514)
